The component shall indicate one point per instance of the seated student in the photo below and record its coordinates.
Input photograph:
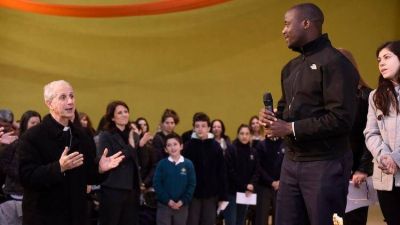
(174, 182)
(206, 154)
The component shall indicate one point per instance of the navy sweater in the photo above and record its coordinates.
(242, 164)
(270, 155)
(174, 181)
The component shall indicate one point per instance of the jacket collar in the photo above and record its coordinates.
(194, 136)
(180, 160)
(54, 128)
(313, 46)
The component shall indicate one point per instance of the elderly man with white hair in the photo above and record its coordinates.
(57, 161)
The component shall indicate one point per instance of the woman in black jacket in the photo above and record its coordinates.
(362, 158)
(119, 198)
(242, 166)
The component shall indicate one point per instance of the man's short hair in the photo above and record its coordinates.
(173, 136)
(311, 12)
(200, 116)
(48, 90)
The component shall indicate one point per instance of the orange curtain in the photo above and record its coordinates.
(152, 8)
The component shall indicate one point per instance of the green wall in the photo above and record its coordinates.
(218, 59)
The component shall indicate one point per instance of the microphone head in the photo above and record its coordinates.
(267, 98)
(268, 101)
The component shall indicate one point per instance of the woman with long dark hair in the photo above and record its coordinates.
(9, 165)
(362, 158)
(119, 198)
(382, 133)
(86, 123)
(257, 131)
(218, 130)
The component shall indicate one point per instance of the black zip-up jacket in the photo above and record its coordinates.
(208, 160)
(270, 155)
(319, 96)
(126, 175)
(242, 165)
(362, 158)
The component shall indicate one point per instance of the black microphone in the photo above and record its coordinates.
(268, 101)
(269, 105)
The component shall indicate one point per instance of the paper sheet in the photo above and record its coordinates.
(360, 197)
(241, 198)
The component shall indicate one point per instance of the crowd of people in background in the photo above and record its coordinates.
(218, 168)
(298, 160)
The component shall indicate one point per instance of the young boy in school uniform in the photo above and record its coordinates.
(174, 182)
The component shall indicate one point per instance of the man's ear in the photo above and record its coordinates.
(48, 104)
(306, 24)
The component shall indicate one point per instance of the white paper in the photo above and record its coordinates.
(363, 196)
(241, 198)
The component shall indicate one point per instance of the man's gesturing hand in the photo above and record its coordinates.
(70, 161)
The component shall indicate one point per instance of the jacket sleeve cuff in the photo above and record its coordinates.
(396, 157)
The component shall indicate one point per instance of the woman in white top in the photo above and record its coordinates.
(218, 130)
(382, 132)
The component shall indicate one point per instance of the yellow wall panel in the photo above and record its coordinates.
(218, 59)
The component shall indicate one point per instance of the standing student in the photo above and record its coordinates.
(382, 133)
(208, 160)
(174, 182)
(169, 120)
(270, 155)
(242, 167)
(318, 97)
(257, 131)
(148, 158)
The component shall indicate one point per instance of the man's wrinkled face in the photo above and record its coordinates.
(63, 103)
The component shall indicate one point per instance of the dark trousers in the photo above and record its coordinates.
(356, 217)
(202, 211)
(235, 214)
(388, 200)
(311, 192)
(266, 198)
(118, 207)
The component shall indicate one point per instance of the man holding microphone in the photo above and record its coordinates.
(315, 116)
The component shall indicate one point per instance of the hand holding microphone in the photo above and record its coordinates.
(267, 115)
(273, 127)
